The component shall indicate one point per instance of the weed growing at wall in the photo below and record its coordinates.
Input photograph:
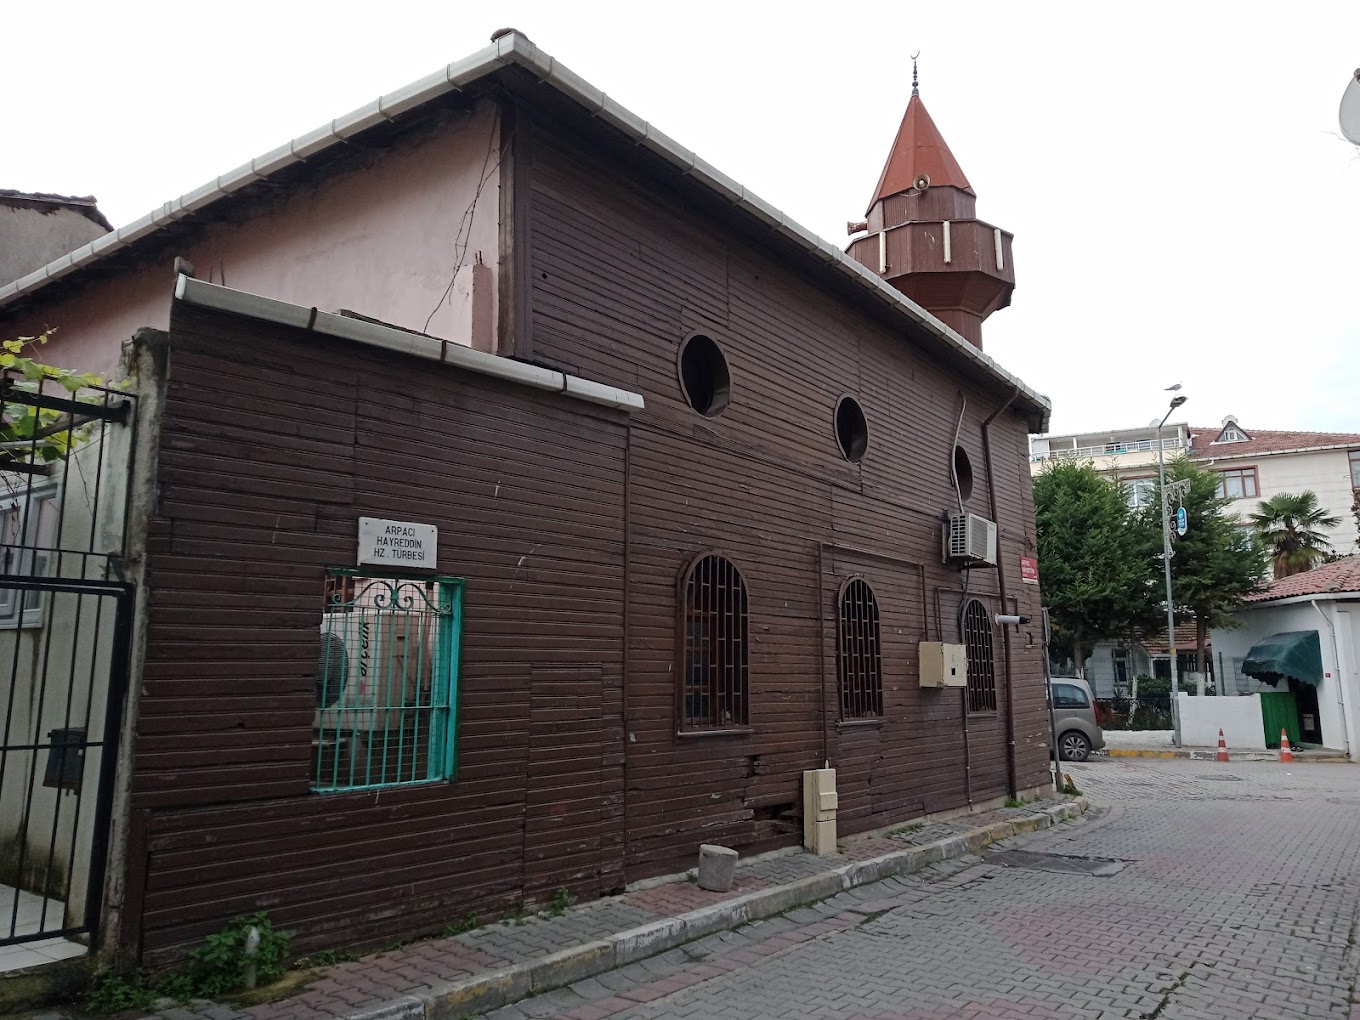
(113, 993)
(560, 903)
(468, 923)
(218, 967)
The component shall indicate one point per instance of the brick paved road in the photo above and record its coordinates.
(1239, 900)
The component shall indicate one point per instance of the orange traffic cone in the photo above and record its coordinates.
(1222, 748)
(1286, 752)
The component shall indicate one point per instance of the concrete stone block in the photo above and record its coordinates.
(571, 965)
(640, 943)
(718, 917)
(407, 1007)
(480, 994)
(1000, 830)
(717, 867)
(975, 839)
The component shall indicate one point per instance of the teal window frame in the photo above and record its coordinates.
(440, 728)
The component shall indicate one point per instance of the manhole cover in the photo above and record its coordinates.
(1222, 779)
(1098, 866)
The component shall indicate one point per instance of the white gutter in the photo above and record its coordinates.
(1296, 599)
(1340, 682)
(374, 334)
(516, 49)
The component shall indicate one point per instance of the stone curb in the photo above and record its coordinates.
(459, 1000)
(1209, 754)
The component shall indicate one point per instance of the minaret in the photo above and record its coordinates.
(923, 236)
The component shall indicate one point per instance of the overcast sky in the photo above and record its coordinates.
(1184, 208)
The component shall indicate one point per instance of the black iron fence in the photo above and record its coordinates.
(65, 624)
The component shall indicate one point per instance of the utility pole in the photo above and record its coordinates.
(1176, 402)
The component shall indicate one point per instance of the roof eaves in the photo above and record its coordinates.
(1220, 454)
(337, 131)
(515, 49)
(1312, 596)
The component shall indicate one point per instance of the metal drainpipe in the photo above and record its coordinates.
(626, 658)
(821, 651)
(1001, 587)
(1340, 681)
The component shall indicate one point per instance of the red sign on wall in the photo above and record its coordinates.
(1029, 569)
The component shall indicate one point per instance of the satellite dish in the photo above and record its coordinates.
(922, 182)
(1350, 110)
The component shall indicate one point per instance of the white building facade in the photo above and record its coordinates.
(1253, 465)
(1326, 602)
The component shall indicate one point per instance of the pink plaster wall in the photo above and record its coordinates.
(383, 241)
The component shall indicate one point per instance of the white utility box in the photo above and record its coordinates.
(819, 811)
(943, 664)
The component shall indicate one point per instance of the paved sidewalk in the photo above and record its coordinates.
(648, 932)
(1320, 754)
(1207, 892)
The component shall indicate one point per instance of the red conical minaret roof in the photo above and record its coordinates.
(919, 149)
(927, 241)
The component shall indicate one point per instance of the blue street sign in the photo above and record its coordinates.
(1181, 521)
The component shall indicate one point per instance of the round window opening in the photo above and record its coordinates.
(963, 472)
(704, 376)
(852, 431)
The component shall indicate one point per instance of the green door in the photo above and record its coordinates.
(1278, 712)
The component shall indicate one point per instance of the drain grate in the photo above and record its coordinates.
(1098, 866)
(1222, 779)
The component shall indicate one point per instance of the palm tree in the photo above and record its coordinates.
(1293, 530)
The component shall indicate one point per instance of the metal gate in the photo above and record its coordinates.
(66, 614)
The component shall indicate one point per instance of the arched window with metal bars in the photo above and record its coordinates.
(859, 658)
(977, 639)
(715, 682)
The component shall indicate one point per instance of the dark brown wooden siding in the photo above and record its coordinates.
(572, 526)
(273, 443)
(622, 272)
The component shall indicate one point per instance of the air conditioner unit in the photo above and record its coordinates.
(970, 538)
(368, 671)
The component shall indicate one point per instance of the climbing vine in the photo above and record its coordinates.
(29, 430)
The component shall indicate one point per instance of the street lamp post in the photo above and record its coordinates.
(1176, 402)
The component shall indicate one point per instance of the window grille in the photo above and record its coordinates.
(860, 661)
(977, 637)
(716, 676)
(386, 682)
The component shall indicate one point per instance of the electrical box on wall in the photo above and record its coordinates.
(943, 664)
(819, 810)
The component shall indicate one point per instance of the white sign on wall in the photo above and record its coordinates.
(398, 543)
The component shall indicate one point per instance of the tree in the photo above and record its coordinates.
(1293, 528)
(1216, 563)
(1098, 576)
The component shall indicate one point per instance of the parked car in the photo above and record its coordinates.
(1075, 728)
